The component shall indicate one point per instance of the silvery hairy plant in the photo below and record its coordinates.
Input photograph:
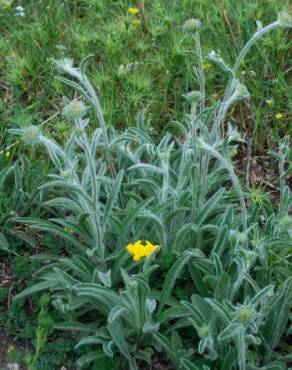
(110, 189)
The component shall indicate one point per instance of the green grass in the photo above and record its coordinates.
(165, 54)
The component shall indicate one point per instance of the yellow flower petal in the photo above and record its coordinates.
(279, 115)
(133, 10)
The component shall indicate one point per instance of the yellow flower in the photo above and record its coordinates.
(7, 154)
(207, 66)
(139, 250)
(133, 10)
(279, 115)
(136, 22)
(269, 101)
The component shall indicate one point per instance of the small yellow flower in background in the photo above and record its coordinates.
(269, 101)
(207, 66)
(8, 154)
(279, 115)
(133, 10)
(139, 250)
(136, 22)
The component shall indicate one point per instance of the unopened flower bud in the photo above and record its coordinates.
(192, 25)
(284, 19)
(66, 65)
(245, 315)
(74, 110)
(240, 92)
(31, 134)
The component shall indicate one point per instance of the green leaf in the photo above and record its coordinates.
(77, 326)
(4, 246)
(94, 339)
(166, 345)
(67, 203)
(209, 206)
(223, 287)
(90, 357)
(112, 197)
(116, 312)
(261, 295)
(197, 279)
(221, 241)
(188, 365)
(231, 331)
(105, 278)
(171, 277)
(229, 360)
(221, 311)
(150, 327)
(173, 313)
(44, 285)
(48, 226)
(119, 339)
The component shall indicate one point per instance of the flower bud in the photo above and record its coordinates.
(66, 65)
(31, 134)
(245, 315)
(284, 19)
(240, 92)
(192, 25)
(74, 110)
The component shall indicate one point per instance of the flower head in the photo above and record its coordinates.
(66, 65)
(75, 109)
(245, 315)
(31, 135)
(192, 25)
(269, 102)
(133, 10)
(207, 66)
(8, 154)
(279, 116)
(139, 250)
(285, 19)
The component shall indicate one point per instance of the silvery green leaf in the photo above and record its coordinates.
(220, 309)
(150, 327)
(231, 331)
(4, 246)
(151, 305)
(145, 355)
(166, 345)
(188, 365)
(76, 326)
(262, 295)
(107, 348)
(90, 357)
(116, 312)
(94, 339)
(105, 278)
(119, 339)
(219, 61)
(44, 285)
(259, 25)
(171, 277)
